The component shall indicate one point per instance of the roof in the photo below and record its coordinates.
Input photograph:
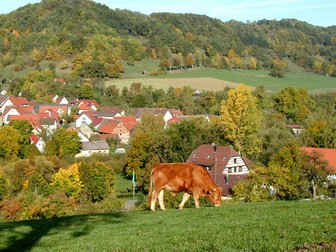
(328, 155)
(18, 100)
(108, 126)
(206, 155)
(95, 145)
(139, 112)
(87, 104)
(129, 121)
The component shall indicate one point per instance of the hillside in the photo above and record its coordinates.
(87, 39)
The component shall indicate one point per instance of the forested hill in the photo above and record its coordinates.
(82, 31)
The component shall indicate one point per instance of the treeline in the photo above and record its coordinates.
(91, 40)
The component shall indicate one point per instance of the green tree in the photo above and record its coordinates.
(87, 91)
(63, 142)
(25, 129)
(278, 68)
(98, 179)
(241, 119)
(293, 103)
(10, 139)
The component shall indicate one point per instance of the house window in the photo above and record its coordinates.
(235, 160)
(240, 169)
(226, 179)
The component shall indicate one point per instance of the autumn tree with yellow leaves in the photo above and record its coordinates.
(241, 119)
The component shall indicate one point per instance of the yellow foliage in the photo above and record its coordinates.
(68, 180)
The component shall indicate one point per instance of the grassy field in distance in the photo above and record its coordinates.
(213, 79)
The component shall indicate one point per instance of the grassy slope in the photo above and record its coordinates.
(310, 81)
(269, 226)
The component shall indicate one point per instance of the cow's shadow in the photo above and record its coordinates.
(17, 239)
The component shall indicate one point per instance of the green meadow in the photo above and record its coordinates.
(314, 83)
(267, 226)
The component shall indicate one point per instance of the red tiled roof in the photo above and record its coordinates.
(327, 154)
(108, 126)
(128, 121)
(18, 100)
(173, 120)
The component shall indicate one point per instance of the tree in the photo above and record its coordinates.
(25, 128)
(87, 91)
(293, 103)
(98, 179)
(315, 170)
(241, 119)
(63, 142)
(68, 181)
(10, 139)
(278, 67)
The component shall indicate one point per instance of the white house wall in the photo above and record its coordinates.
(236, 162)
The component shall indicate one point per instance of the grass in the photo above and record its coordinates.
(269, 226)
(312, 82)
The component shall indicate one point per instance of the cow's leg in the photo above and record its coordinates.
(161, 200)
(184, 200)
(154, 196)
(196, 199)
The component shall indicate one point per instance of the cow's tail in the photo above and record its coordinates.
(149, 199)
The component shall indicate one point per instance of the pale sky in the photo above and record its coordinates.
(316, 12)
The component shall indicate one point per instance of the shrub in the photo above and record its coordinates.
(68, 181)
(37, 185)
(28, 206)
(4, 185)
(98, 179)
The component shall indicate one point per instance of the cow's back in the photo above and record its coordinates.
(181, 176)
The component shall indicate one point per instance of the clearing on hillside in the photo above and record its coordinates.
(204, 83)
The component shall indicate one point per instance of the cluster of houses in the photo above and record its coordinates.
(95, 123)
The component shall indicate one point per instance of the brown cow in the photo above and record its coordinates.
(182, 177)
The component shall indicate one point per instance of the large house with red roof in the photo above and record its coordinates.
(328, 155)
(110, 128)
(225, 165)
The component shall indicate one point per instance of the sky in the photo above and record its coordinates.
(315, 12)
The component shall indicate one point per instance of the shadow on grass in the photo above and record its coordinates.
(24, 235)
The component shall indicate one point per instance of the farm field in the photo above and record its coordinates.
(212, 79)
(268, 226)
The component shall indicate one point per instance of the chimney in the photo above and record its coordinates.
(214, 146)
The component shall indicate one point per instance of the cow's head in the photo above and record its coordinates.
(215, 196)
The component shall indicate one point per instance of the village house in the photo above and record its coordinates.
(12, 101)
(86, 117)
(167, 114)
(94, 147)
(225, 165)
(114, 129)
(87, 105)
(38, 142)
(11, 111)
(296, 128)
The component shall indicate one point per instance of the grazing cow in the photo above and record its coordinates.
(182, 177)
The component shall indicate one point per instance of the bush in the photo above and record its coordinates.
(28, 206)
(98, 179)
(68, 181)
(4, 185)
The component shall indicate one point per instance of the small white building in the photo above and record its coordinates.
(93, 147)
